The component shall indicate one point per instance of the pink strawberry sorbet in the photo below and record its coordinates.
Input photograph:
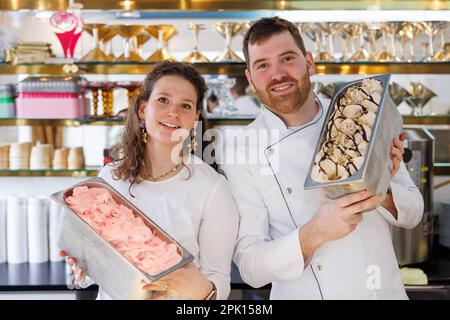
(123, 230)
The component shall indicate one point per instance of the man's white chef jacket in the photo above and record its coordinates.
(273, 207)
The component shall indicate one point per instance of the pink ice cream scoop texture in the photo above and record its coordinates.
(124, 230)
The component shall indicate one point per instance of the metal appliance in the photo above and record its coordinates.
(412, 246)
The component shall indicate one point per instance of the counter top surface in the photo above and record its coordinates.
(47, 276)
(51, 276)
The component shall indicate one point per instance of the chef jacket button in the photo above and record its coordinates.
(319, 267)
(270, 151)
(289, 190)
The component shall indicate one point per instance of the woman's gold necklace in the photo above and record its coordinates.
(154, 179)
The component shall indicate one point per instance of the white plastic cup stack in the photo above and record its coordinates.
(76, 158)
(55, 211)
(41, 157)
(3, 229)
(60, 159)
(19, 155)
(16, 229)
(4, 157)
(37, 229)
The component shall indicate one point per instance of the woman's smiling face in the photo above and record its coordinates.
(170, 111)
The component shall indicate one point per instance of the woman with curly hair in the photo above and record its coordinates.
(185, 196)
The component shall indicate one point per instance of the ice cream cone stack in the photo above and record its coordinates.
(60, 159)
(76, 158)
(40, 158)
(4, 156)
(19, 155)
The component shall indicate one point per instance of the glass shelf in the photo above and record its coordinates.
(229, 68)
(229, 121)
(439, 169)
(363, 68)
(86, 172)
(213, 120)
(62, 122)
(213, 5)
(407, 120)
(443, 119)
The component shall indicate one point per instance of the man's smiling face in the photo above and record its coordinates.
(279, 72)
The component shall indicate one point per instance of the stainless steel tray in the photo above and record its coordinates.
(375, 172)
(101, 261)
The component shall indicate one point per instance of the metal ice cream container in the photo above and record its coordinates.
(375, 172)
(101, 261)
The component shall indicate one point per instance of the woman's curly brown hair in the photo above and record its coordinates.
(130, 154)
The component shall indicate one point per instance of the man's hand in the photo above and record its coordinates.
(397, 151)
(333, 220)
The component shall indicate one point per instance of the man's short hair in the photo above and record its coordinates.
(265, 28)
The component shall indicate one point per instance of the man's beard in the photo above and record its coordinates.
(290, 102)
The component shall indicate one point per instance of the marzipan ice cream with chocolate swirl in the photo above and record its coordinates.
(353, 150)
(348, 132)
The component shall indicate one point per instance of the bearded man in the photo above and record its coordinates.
(307, 245)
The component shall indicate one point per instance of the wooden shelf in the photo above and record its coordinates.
(232, 69)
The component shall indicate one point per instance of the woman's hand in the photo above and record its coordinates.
(79, 274)
(187, 282)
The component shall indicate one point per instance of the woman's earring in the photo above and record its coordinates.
(144, 135)
(144, 132)
(192, 145)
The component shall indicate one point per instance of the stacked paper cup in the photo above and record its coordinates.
(16, 229)
(54, 214)
(60, 159)
(76, 158)
(19, 155)
(2, 229)
(4, 157)
(37, 229)
(41, 157)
